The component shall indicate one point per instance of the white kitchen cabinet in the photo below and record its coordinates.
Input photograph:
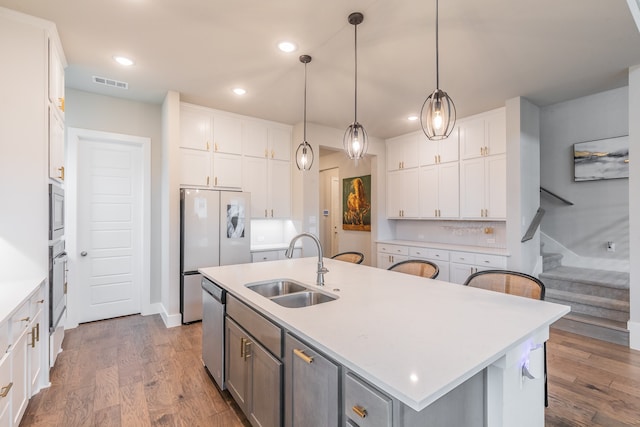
(437, 256)
(483, 135)
(439, 191)
(5, 387)
(195, 168)
(403, 151)
(464, 264)
(441, 151)
(56, 76)
(483, 188)
(196, 124)
(227, 171)
(391, 254)
(37, 341)
(227, 134)
(20, 366)
(403, 193)
(56, 146)
(269, 182)
(262, 140)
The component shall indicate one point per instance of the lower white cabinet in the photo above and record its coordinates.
(391, 254)
(312, 395)
(463, 264)
(262, 256)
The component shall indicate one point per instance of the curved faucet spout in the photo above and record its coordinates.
(321, 267)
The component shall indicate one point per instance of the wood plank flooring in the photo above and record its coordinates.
(132, 371)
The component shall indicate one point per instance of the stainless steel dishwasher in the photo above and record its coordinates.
(213, 311)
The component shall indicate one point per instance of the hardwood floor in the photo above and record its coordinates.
(132, 371)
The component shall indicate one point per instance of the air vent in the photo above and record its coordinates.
(110, 82)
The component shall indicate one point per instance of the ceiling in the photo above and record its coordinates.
(547, 51)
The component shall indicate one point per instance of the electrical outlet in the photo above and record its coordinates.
(611, 247)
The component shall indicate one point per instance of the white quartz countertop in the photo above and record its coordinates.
(414, 338)
(448, 247)
(14, 292)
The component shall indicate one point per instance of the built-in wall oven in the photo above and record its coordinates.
(57, 283)
(56, 212)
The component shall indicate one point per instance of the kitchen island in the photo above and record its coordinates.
(419, 341)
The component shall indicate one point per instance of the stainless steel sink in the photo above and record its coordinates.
(276, 287)
(289, 293)
(302, 299)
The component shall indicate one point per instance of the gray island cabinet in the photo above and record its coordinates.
(387, 349)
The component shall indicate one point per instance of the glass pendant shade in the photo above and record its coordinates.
(304, 153)
(355, 139)
(304, 156)
(438, 115)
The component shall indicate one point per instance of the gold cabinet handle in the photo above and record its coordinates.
(4, 391)
(215, 181)
(273, 154)
(61, 104)
(215, 146)
(359, 411)
(265, 214)
(38, 331)
(301, 355)
(247, 349)
(61, 169)
(25, 319)
(242, 348)
(266, 153)
(207, 145)
(33, 337)
(271, 213)
(40, 301)
(207, 180)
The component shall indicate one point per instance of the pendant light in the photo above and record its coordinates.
(438, 114)
(355, 139)
(304, 153)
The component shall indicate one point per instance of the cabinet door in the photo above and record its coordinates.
(227, 170)
(227, 134)
(472, 135)
(448, 148)
(266, 388)
(429, 191)
(443, 267)
(458, 273)
(56, 78)
(195, 128)
(255, 140)
(56, 146)
(20, 378)
(496, 133)
(472, 176)
(195, 167)
(311, 387)
(448, 190)
(237, 363)
(254, 181)
(428, 152)
(35, 350)
(496, 186)
(384, 260)
(410, 192)
(5, 383)
(280, 144)
(394, 196)
(279, 189)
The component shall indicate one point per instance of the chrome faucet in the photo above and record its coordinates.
(321, 267)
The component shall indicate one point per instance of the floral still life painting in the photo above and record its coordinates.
(356, 205)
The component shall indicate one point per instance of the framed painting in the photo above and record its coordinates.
(356, 204)
(601, 159)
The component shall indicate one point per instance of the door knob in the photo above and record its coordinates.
(83, 253)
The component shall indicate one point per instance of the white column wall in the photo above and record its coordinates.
(634, 207)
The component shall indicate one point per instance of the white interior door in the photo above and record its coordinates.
(336, 215)
(110, 229)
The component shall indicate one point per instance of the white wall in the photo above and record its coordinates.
(104, 113)
(601, 210)
(634, 206)
(306, 200)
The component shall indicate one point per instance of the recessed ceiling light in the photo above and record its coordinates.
(239, 91)
(123, 60)
(287, 47)
(412, 118)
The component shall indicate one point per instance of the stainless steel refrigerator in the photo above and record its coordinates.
(215, 230)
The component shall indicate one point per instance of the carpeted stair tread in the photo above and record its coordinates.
(610, 279)
(593, 300)
(597, 321)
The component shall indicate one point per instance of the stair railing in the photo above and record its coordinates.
(535, 223)
(562, 199)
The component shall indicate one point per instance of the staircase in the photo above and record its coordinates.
(599, 299)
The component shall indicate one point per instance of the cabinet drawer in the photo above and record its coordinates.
(37, 302)
(364, 405)
(20, 322)
(268, 334)
(418, 252)
(393, 249)
(495, 261)
(463, 257)
(439, 254)
(264, 256)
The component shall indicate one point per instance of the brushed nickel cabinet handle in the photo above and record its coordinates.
(301, 355)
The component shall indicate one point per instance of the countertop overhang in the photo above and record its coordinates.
(414, 338)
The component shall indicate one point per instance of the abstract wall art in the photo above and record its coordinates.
(601, 159)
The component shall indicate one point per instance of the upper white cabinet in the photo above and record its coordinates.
(483, 188)
(439, 191)
(442, 151)
(56, 145)
(227, 134)
(196, 126)
(402, 152)
(403, 194)
(56, 76)
(483, 135)
(261, 140)
(55, 90)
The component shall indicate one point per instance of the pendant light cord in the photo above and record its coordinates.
(437, 61)
(305, 103)
(355, 108)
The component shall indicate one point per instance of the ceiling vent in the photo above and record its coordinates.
(110, 82)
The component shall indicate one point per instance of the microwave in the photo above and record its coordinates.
(56, 212)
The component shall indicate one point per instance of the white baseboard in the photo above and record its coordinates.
(634, 334)
(153, 308)
(170, 320)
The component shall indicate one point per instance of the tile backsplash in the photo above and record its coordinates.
(271, 231)
(489, 234)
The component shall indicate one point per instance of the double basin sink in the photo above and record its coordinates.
(289, 293)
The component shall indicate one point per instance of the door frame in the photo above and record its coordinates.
(74, 136)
